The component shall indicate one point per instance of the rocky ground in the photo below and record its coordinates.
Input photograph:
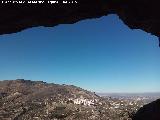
(36, 100)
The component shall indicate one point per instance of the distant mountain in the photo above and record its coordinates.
(145, 94)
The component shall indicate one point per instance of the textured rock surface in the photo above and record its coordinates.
(149, 112)
(137, 14)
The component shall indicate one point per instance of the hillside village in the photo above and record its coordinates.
(37, 100)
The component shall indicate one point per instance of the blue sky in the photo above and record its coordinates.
(102, 55)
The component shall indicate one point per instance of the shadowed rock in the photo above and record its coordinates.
(150, 111)
(137, 14)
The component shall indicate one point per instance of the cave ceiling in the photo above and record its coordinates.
(136, 14)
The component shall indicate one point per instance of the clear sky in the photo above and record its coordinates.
(102, 55)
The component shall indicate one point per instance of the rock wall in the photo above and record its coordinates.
(150, 111)
(137, 14)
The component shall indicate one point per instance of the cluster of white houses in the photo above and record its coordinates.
(83, 101)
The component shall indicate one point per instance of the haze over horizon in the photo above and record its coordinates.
(101, 55)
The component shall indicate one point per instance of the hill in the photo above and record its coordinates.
(37, 100)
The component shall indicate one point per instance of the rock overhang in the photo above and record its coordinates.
(137, 14)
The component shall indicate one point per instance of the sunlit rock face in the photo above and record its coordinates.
(137, 14)
(150, 111)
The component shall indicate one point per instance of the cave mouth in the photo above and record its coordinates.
(101, 55)
(106, 57)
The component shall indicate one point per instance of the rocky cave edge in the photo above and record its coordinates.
(136, 14)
